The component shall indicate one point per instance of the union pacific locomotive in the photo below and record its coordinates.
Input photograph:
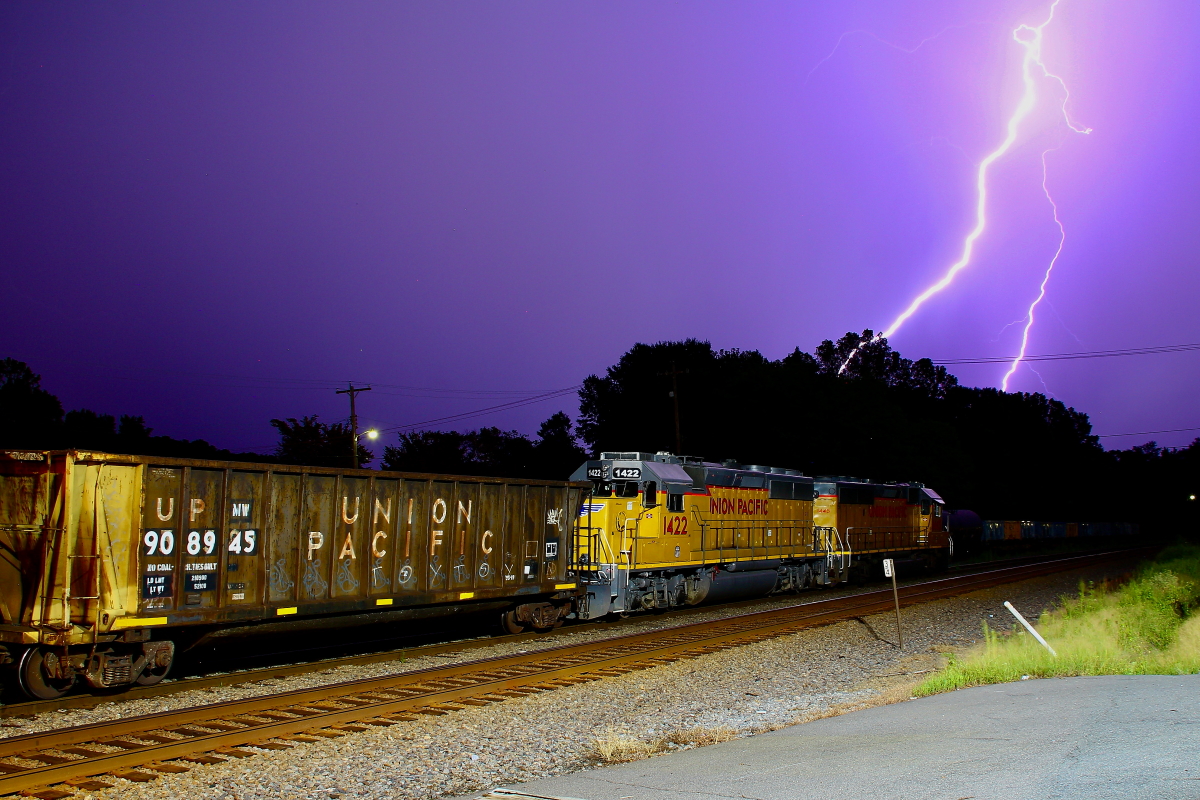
(661, 530)
(109, 564)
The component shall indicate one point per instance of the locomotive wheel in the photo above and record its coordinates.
(510, 624)
(33, 679)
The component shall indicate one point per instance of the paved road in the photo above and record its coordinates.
(1086, 738)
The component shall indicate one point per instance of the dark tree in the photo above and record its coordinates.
(29, 415)
(557, 453)
(310, 442)
(490, 451)
(884, 417)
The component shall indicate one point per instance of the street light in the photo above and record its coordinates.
(374, 434)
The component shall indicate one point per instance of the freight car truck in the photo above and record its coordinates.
(109, 563)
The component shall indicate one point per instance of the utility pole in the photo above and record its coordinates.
(675, 373)
(353, 392)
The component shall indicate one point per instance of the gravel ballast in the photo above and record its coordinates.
(750, 689)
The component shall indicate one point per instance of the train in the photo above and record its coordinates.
(111, 565)
(660, 531)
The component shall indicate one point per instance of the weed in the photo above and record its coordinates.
(613, 747)
(1147, 625)
(702, 737)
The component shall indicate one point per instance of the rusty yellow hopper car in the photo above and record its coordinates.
(108, 562)
(661, 531)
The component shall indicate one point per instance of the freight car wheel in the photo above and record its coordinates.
(510, 624)
(152, 674)
(33, 680)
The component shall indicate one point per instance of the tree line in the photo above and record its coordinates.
(1006, 455)
(883, 418)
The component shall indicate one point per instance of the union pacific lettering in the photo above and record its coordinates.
(890, 510)
(724, 505)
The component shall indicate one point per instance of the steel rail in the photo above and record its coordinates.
(146, 741)
(27, 708)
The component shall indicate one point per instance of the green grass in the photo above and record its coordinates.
(1147, 626)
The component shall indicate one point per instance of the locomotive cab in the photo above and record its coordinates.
(661, 530)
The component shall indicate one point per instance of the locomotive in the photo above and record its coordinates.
(660, 531)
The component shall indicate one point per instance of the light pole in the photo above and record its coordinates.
(353, 392)
(370, 434)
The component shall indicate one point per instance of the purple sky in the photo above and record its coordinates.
(213, 213)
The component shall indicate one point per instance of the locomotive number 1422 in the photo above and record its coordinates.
(677, 526)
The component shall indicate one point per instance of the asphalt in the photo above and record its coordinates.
(1134, 736)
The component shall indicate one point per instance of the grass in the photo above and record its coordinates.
(1150, 625)
(614, 747)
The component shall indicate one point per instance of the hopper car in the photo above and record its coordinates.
(109, 563)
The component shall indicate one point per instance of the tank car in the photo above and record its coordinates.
(108, 563)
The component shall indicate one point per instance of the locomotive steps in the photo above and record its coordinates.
(170, 741)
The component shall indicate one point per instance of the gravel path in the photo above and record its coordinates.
(750, 689)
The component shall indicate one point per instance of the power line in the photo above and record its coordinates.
(489, 410)
(1147, 433)
(1133, 351)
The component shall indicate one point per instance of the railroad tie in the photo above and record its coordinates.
(46, 758)
(157, 737)
(276, 716)
(222, 727)
(86, 752)
(203, 758)
(189, 731)
(122, 744)
(168, 769)
(137, 776)
(47, 793)
(88, 784)
(234, 751)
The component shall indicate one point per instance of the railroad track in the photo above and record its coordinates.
(31, 708)
(56, 763)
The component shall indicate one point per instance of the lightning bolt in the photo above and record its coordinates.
(1062, 232)
(1062, 238)
(1030, 38)
(881, 40)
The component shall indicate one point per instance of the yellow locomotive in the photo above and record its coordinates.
(661, 530)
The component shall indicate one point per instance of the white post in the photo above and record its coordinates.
(889, 571)
(1029, 628)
